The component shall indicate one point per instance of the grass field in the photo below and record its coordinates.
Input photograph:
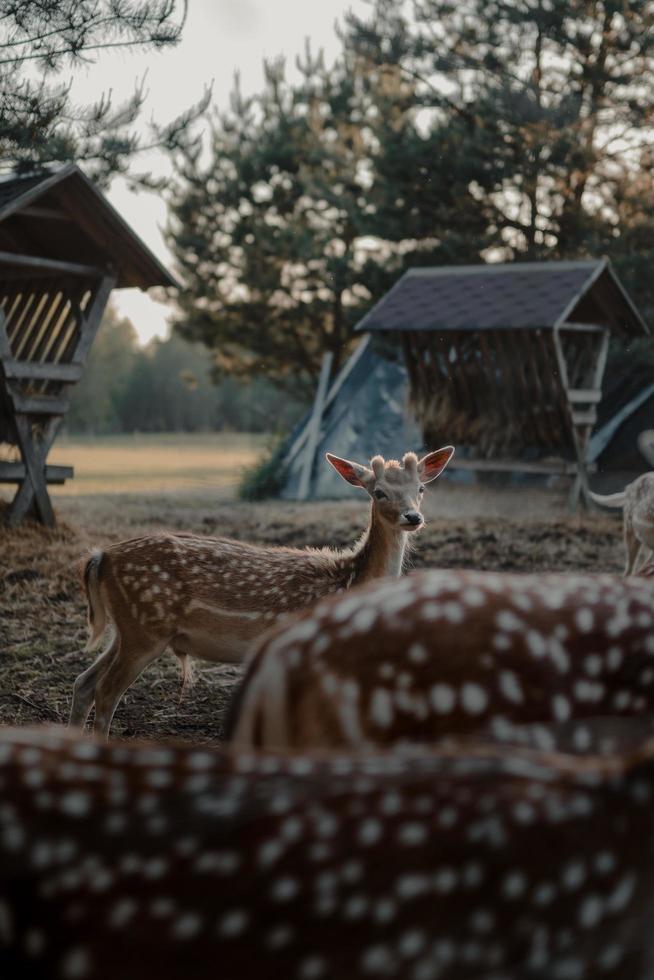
(156, 463)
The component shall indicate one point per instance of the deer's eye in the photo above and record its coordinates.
(380, 495)
(421, 489)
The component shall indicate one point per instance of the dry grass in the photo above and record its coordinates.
(42, 615)
(156, 463)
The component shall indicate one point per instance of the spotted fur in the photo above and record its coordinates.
(452, 652)
(438, 864)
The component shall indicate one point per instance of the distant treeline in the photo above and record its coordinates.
(167, 387)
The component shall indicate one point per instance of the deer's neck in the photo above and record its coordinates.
(380, 552)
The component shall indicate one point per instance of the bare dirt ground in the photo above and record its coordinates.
(42, 614)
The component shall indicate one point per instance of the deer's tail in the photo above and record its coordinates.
(89, 570)
(610, 500)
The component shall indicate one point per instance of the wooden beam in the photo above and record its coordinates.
(581, 327)
(553, 467)
(50, 214)
(33, 456)
(15, 473)
(314, 426)
(39, 404)
(33, 488)
(37, 264)
(584, 418)
(602, 357)
(26, 370)
(585, 395)
(91, 318)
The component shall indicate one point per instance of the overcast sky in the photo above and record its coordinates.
(220, 37)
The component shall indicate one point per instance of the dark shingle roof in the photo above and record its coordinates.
(94, 232)
(12, 187)
(518, 295)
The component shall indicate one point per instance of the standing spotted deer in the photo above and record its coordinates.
(490, 862)
(450, 653)
(211, 597)
(637, 504)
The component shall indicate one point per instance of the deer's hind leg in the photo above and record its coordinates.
(134, 653)
(85, 684)
(632, 546)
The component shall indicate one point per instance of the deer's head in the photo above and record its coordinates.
(396, 489)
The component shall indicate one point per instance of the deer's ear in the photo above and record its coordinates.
(353, 473)
(433, 464)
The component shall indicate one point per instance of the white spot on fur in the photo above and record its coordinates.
(473, 698)
(443, 698)
(510, 686)
(381, 707)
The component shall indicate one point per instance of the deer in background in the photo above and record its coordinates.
(439, 864)
(637, 504)
(211, 597)
(450, 653)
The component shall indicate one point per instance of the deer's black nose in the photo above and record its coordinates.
(412, 517)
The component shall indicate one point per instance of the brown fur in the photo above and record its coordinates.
(473, 860)
(212, 597)
(453, 653)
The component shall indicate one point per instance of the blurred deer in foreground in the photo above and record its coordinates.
(440, 864)
(210, 597)
(450, 652)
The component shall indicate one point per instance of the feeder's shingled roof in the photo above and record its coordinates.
(517, 295)
(60, 214)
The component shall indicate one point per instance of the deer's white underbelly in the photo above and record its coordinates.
(219, 634)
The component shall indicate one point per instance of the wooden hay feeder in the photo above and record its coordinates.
(63, 248)
(507, 360)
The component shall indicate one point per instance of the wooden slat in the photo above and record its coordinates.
(581, 327)
(314, 426)
(15, 473)
(513, 372)
(585, 418)
(69, 335)
(560, 467)
(18, 318)
(544, 372)
(5, 348)
(49, 321)
(29, 324)
(50, 214)
(561, 420)
(38, 264)
(59, 330)
(39, 404)
(577, 395)
(27, 370)
(11, 299)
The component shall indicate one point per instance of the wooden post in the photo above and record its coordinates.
(314, 426)
(35, 445)
(33, 489)
(581, 403)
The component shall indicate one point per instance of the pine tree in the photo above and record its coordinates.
(550, 102)
(268, 233)
(40, 124)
